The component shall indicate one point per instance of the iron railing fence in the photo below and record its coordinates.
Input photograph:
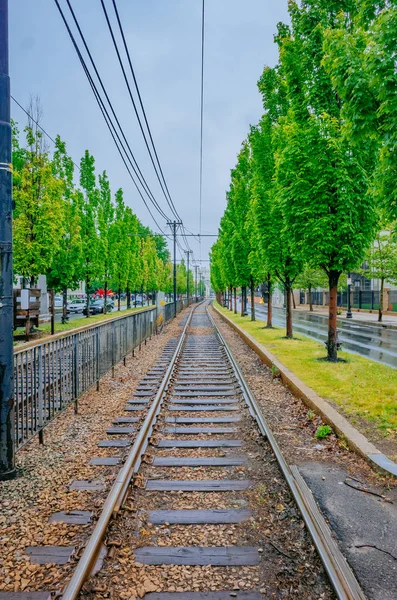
(361, 299)
(50, 375)
(392, 300)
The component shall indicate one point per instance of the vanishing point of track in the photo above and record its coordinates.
(197, 375)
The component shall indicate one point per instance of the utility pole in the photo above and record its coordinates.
(188, 253)
(7, 426)
(195, 281)
(174, 225)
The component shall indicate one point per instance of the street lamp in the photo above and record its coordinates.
(349, 314)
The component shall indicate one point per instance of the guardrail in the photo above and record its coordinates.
(50, 375)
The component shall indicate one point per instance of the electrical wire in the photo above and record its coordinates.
(38, 125)
(162, 181)
(144, 184)
(105, 114)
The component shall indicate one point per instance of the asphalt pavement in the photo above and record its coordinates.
(73, 316)
(372, 341)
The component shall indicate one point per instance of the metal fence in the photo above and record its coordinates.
(50, 375)
(392, 300)
(361, 299)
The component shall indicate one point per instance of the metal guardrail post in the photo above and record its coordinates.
(40, 394)
(125, 342)
(97, 352)
(75, 374)
(113, 336)
(133, 334)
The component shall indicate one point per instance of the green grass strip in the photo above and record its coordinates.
(84, 321)
(361, 387)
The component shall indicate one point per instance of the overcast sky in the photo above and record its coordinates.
(164, 37)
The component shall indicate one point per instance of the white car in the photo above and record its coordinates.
(77, 306)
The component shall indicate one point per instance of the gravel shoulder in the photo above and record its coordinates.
(289, 566)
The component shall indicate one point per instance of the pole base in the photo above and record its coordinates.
(349, 315)
(8, 475)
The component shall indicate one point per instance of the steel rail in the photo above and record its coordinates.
(339, 572)
(120, 486)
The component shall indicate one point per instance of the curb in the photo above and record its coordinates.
(355, 440)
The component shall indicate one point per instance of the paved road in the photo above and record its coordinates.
(73, 316)
(375, 342)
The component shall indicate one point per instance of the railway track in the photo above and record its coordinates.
(193, 475)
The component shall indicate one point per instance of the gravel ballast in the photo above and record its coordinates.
(46, 472)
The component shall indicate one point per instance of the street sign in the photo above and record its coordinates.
(349, 281)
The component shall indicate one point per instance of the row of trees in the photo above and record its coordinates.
(314, 183)
(73, 233)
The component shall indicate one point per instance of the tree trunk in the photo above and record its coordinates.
(231, 298)
(235, 301)
(135, 299)
(288, 312)
(105, 310)
(64, 305)
(310, 298)
(252, 300)
(293, 298)
(119, 300)
(332, 343)
(269, 303)
(87, 305)
(382, 286)
(242, 311)
(52, 309)
(128, 298)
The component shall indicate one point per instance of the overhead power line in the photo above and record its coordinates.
(159, 171)
(126, 154)
(144, 184)
(38, 125)
(162, 181)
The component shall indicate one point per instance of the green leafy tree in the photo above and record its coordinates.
(89, 211)
(132, 249)
(309, 280)
(238, 199)
(119, 247)
(283, 259)
(105, 223)
(39, 209)
(320, 180)
(258, 221)
(359, 57)
(381, 259)
(201, 288)
(66, 266)
(151, 276)
(181, 284)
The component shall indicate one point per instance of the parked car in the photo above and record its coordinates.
(97, 306)
(76, 306)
